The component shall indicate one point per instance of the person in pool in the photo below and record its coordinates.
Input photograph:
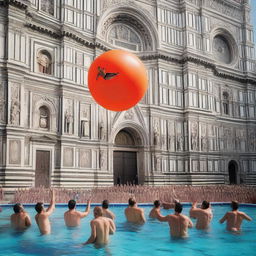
(73, 217)
(203, 214)
(106, 212)
(133, 213)
(101, 227)
(42, 217)
(178, 222)
(156, 209)
(20, 218)
(234, 218)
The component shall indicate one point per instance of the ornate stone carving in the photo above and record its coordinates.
(223, 7)
(44, 118)
(102, 159)
(15, 105)
(129, 114)
(180, 143)
(194, 136)
(102, 131)
(47, 6)
(204, 145)
(2, 104)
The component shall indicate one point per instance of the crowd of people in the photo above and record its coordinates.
(144, 194)
(103, 223)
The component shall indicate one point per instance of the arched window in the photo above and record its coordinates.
(225, 103)
(125, 37)
(44, 118)
(44, 61)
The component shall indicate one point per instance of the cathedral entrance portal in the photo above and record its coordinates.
(125, 157)
(42, 173)
(125, 168)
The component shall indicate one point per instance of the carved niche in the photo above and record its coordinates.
(68, 117)
(194, 136)
(47, 6)
(68, 157)
(85, 120)
(85, 158)
(44, 62)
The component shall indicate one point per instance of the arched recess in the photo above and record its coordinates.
(52, 111)
(128, 154)
(134, 17)
(233, 173)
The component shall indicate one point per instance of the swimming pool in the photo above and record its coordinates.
(150, 239)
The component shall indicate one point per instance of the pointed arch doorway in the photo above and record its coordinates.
(233, 173)
(125, 157)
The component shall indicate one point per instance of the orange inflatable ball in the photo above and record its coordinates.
(117, 80)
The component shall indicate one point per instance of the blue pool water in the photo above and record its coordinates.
(150, 239)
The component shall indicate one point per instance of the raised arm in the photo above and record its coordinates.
(162, 218)
(51, 208)
(87, 210)
(193, 211)
(246, 217)
(224, 218)
(92, 238)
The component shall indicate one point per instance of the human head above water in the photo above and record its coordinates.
(131, 201)
(17, 208)
(205, 204)
(157, 203)
(97, 211)
(39, 207)
(234, 205)
(71, 204)
(178, 207)
(105, 204)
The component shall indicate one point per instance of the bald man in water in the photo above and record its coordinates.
(178, 222)
(101, 227)
(234, 218)
(203, 214)
(20, 219)
(133, 213)
(42, 217)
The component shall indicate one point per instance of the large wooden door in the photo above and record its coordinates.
(125, 167)
(42, 173)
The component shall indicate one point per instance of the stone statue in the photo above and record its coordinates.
(102, 159)
(85, 128)
(15, 110)
(203, 143)
(43, 119)
(180, 142)
(156, 138)
(47, 6)
(102, 131)
(157, 163)
(68, 122)
(44, 63)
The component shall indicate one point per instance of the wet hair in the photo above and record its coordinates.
(156, 203)
(17, 208)
(205, 204)
(178, 207)
(105, 204)
(71, 204)
(39, 207)
(131, 202)
(234, 205)
(97, 211)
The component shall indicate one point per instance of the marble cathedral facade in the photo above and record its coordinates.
(195, 125)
